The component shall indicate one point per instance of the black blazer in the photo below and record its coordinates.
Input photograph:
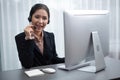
(30, 55)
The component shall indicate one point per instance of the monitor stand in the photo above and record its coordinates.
(63, 67)
(99, 63)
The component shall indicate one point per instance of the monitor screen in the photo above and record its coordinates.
(78, 25)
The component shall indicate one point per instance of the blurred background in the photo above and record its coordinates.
(13, 19)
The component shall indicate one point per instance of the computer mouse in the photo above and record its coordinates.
(49, 70)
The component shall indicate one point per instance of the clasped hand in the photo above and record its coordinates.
(30, 32)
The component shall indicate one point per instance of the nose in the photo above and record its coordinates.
(40, 20)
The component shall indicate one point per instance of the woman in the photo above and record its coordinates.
(35, 46)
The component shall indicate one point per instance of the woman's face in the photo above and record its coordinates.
(40, 19)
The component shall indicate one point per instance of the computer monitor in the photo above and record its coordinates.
(78, 26)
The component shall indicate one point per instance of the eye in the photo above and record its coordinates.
(37, 16)
(44, 18)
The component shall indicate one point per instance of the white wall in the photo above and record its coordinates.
(13, 19)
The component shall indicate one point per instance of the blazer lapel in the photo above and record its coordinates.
(46, 41)
(36, 47)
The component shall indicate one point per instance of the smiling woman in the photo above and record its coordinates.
(13, 19)
(36, 47)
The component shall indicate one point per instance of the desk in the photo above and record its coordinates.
(112, 71)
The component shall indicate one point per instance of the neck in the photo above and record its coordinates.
(38, 33)
(38, 36)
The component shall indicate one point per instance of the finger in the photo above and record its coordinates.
(28, 30)
(32, 26)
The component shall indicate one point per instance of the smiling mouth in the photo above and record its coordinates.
(38, 28)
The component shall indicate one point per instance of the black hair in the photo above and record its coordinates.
(36, 7)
